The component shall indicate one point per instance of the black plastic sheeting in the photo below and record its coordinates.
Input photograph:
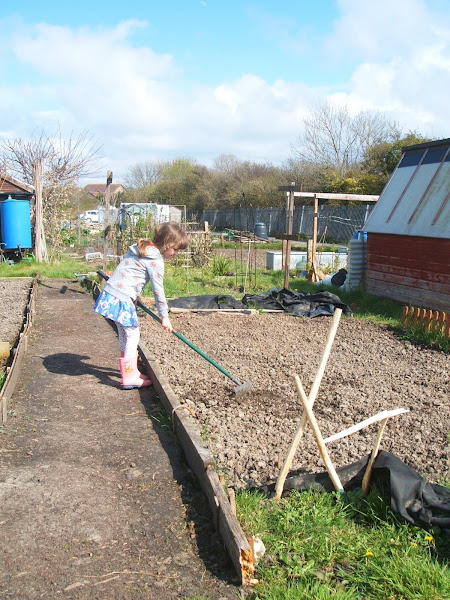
(207, 301)
(298, 304)
(420, 503)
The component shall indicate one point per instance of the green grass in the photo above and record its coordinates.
(321, 546)
(277, 245)
(182, 281)
(58, 269)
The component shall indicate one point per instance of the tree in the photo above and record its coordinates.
(258, 181)
(382, 158)
(334, 138)
(52, 165)
(144, 174)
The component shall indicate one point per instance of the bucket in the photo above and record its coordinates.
(261, 230)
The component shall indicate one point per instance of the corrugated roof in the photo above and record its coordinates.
(416, 199)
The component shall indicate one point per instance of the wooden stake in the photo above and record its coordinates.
(442, 318)
(109, 177)
(405, 315)
(317, 434)
(232, 499)
(312, 396)
(385, 414)
(376, 447)
(287, 247)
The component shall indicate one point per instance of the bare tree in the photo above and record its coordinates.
(52, 164)
(144, 174)
(333, 137)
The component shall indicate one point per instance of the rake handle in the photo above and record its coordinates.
(181, 337)
(190, 344)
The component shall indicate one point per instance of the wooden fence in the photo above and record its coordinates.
(427, 319)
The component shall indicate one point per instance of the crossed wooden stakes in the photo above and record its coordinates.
(308, 416)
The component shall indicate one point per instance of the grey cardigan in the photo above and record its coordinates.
(134, 272)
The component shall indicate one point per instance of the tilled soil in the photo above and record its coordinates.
(369, 370)
(13, 297)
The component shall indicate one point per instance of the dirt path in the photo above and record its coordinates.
(96, 501)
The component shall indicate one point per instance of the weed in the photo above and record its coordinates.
(204, 434)
(162, 418)
(220, 265)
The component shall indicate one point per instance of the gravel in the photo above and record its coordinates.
(369, 370)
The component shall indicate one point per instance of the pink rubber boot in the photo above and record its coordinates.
(143, 376)
(131, 377)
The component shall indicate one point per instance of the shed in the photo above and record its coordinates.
(408, 231)
(14, 188)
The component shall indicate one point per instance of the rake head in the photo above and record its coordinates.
(242, 388)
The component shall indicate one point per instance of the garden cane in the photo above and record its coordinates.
(239, 390)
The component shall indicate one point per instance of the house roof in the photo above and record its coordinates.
(100, 188)
(416, 199)
(10, 185)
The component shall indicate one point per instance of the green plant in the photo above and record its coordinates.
(160, 416)
(204, 434)
(220, 265)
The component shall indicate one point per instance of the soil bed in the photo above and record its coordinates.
(13, 298)
(369, 370)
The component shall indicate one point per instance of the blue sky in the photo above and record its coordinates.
(157, 80)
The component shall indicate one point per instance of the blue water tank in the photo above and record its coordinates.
(15, 224)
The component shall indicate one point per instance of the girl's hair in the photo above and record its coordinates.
(167, 235)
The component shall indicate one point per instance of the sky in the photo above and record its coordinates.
(156, 80)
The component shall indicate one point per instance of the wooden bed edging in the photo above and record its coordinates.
(12, 372)
(202, 464)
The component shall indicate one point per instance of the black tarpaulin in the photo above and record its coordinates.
(419, 502)
(211, 301)
(298, 304)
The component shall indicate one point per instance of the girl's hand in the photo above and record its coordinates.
(166, 324)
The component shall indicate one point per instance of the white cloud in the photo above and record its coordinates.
(403, 68)
(377, 30)
(139, 104)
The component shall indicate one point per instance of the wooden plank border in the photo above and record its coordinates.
(18, 351)
(202, 463)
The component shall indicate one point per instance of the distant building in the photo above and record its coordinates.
(98, 190)
(161, 213)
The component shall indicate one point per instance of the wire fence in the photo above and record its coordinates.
(336, 223)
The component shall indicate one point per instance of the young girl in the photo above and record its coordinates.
(143, 263)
